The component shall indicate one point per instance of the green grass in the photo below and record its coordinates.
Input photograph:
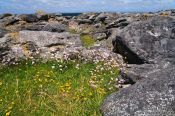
(55, 88)
(73, 31)
(87, 40)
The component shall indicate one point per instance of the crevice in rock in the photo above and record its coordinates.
(129, 56)
(55, 44)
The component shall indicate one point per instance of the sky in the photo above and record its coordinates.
(70, 6)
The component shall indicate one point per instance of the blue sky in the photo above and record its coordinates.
(30, 6)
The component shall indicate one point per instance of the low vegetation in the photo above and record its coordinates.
(71, 88)
(87, 40)
(73, 31)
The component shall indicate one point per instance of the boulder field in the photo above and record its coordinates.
(149, 48)
(142, 44)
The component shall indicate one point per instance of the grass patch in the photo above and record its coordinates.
(73, 31)
(87, 40)
(52, 88)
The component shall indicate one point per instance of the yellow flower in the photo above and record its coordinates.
(101, 90)
(13, 103)
(68, 84)
(90, 93)
(40, 86)
(10, 107)
(46, 80)
(8, 113)
(69, 88)
(39, 80)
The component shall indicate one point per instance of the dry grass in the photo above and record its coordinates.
(14, 35)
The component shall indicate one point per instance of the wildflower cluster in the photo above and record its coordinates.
(57, 87)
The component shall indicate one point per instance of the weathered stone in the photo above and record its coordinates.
(84, 21)
(28, 17)
(48, 39)
(100, 36)
(51, 27)
(101, 17)
(4, 47)
(55, 27)
(5, 15)
(148, 41)
(42, 16)
(150, 96)
(121, 22)
(153, 90)
(105, 17)
(2, 32)
(35, 26)
(113, 32)
(8, 21)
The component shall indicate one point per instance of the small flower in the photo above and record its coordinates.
(85, 99)
(77, 66)
(8, 113)
(33, 62)
(90, 94)
(40, 86)
(53, 67)
(10, 107)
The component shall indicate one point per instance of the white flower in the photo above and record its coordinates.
(77, 66)
(33, 62)
(53, 67)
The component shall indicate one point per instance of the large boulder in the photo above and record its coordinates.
(152, 96)
(105, 17)
(10, 20)
(55, 27)
(49, 39)
(35, 26)
(28, 18)
(51, 27)
(42, 16)
(91, 16)
(147, 41)
(149, 48)
(84, 21)
(121, 22)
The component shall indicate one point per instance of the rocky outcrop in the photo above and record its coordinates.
(149, 46)
(149, 41)
(151, 96)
